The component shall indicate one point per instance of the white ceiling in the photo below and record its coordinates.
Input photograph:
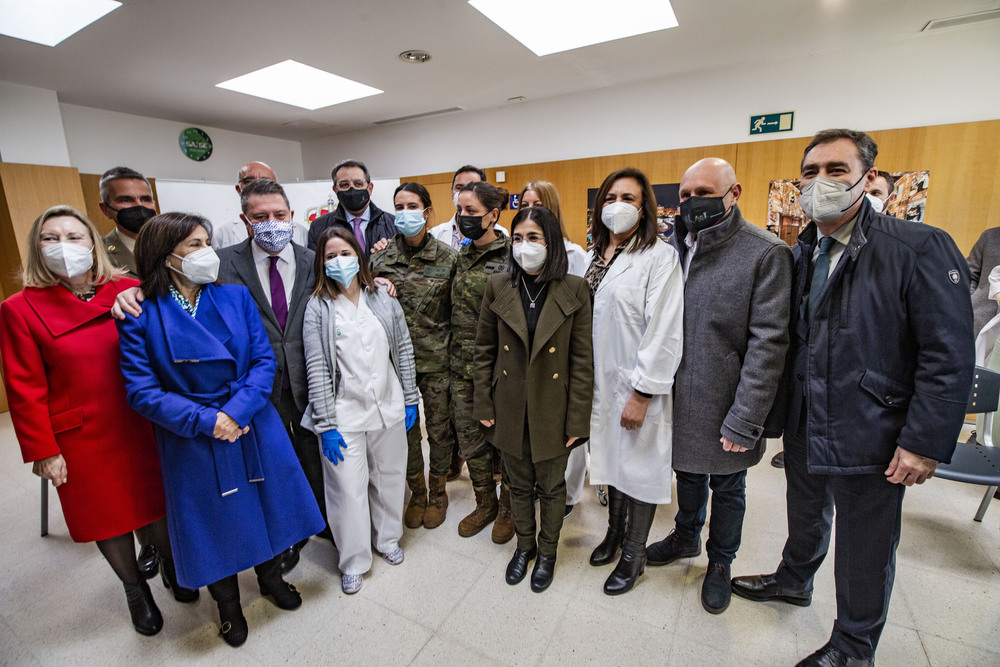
(162, 58)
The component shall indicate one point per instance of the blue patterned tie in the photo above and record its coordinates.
(820, 272)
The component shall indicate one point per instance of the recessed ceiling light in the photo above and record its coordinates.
(416, 57)
(551, 26)
(49, 22)
(299, 85)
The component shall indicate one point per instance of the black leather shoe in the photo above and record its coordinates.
(831, 656)
(518, 565)
(290, 557)
(672, 548)
(778, 460)
(234, 625)
(169, 578)
(283, 593)
(715, 590)
(763, 588)
(629, 569)
(569, 510)
(148, 561)
(541, 575)
(146, 618)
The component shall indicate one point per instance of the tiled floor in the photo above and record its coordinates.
(447, 604)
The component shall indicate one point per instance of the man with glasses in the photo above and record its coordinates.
(352, 184)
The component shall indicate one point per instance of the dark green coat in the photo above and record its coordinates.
(551, 385)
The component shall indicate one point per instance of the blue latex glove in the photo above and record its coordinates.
(333, 442)
(411, 417)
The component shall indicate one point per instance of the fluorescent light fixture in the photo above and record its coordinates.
(551, 26)
(49, 22)
(299, 85)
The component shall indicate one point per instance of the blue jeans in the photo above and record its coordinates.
(728, 506)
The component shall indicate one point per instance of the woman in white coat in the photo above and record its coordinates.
(638, 291)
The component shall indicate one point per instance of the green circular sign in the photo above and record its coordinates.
(196, 144)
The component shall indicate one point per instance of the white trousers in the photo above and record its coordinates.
(364, 495)
(576, 471)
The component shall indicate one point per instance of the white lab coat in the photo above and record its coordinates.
(638, 339)
(986, 355)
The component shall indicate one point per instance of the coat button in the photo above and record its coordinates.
(888, 400)
(551, 350)
(506, 349)
(800, 377)
(505, 372)
(555, 376)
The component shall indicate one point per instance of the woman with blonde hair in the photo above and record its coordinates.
(67, 402)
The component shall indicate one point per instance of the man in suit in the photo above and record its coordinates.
(279, 275)
(127, 199)
(876, 380)
(737, 286)
(356, 213)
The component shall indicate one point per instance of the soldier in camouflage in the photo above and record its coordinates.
(487, 252)
(422, 269)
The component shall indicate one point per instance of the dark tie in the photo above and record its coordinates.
(820, 272)
(278, 303)
(359, 234)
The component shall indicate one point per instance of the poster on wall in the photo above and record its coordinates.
(668, 205)
(786, 219)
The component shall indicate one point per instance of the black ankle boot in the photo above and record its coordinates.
(169, 578)
(234, 624)
(633, 560)
(517, 568)
(145, 614)
(541, 575)
(271, 584)
(607, 550)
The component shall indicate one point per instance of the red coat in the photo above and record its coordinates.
(67, 395)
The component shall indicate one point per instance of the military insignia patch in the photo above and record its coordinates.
(954, 276)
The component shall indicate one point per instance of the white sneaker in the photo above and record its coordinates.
(394, 557)
(351, 583)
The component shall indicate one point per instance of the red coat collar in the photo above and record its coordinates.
(61, 312)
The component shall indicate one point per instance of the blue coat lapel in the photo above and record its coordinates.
(195, 339)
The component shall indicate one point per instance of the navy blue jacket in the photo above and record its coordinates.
(381, 225)
(888, 357)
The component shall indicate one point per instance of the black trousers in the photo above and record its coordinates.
(868, 518)
(306, 446)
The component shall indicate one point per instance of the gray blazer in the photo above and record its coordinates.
(319, 337)
(984, 257)
(236, 267)
(119, 255)
(737, 298)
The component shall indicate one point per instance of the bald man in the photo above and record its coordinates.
(231, 232)
(737, 287)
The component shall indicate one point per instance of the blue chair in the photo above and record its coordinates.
(975, 463)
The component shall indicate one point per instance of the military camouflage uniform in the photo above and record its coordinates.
(423, 278)
(472, 269)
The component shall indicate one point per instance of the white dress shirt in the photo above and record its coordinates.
(286, 269)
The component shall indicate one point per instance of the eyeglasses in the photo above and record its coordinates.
(345, 185)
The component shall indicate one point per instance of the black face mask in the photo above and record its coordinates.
(700, 213)
(354, 199)
(133, 217)
(471, 226)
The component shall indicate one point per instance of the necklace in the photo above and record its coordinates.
(531, 301)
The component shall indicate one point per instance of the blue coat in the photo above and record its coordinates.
(230, 506)
(887, 359)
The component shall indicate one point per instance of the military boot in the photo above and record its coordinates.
(503, 527)
(485, 512)
(437, 501)
(413, 517)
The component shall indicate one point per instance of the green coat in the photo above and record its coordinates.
(423, 283)
(472, 268)
(552, 385)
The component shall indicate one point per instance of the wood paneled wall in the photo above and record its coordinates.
(963, 158)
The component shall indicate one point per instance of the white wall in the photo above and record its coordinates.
(31, 130)
(99, 140)
(949, 77)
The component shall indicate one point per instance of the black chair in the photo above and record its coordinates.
(975, 463)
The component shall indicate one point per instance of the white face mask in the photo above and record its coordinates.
(823, 199)
(200, 267)
(619, 216)
(529, 255)
(876, 202)
(454, 198)
(68, 260)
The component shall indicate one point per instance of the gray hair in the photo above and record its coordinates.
(350, 163)
(120, 174)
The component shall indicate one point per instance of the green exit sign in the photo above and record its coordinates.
(772, 122)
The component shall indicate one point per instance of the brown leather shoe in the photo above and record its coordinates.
(437, 501)
(503, 527)
(413, 517)
(484, 514)
(763, 588)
